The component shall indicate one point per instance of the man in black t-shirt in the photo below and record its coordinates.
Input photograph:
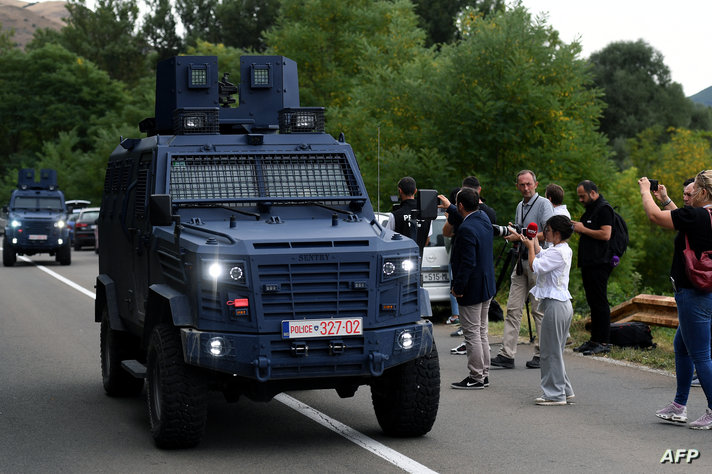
(399, 220)
(594, 260)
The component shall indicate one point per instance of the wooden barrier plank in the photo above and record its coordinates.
(650, 309)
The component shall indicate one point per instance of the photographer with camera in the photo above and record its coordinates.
(531, 209)
(693, 294)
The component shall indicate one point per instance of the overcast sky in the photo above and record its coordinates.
(680, 29)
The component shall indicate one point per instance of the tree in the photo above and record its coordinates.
(329, 40)
(104, 36)
(638, 92)
(6, 42)
(243, 22)
(199, 18)
(439, 17)
(509, 96)
(159, 29)
(47, 91)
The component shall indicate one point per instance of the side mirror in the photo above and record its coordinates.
(160, 209)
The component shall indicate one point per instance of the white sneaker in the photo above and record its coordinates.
(673, 412)
(459, 350)
(704, 422)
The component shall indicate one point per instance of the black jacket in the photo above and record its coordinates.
(472, 260)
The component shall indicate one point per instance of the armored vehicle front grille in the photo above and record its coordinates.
(239, 178)
(38, 227)
(315, 290)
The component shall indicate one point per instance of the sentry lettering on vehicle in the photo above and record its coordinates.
(239, 252)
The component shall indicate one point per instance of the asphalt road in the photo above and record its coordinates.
(54, 416)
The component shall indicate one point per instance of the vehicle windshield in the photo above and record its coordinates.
(240, 178)
(437, 239)
(90, 216)
(38, 203)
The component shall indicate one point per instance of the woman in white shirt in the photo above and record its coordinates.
(551, 267)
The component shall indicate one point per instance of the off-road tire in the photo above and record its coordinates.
(176, 393)
(64, 254)
(406, 397)
(9, 256)
(116, 346)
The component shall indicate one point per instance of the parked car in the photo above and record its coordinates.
(434, 274)
(75, 205)
(84, 227)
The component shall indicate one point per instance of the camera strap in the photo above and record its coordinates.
(524, 216)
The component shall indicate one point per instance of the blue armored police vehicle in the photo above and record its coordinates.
(36, 219)
(239, 253)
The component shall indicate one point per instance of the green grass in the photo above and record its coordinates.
(661, 357)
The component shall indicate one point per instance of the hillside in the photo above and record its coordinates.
(703, 97)
(25, 18)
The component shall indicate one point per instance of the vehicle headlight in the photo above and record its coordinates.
(389, 268)
(60, 224)
(215, 270)
(217, 347)
(406, 339)
(237, 273)
(15, 223)
(399, 266)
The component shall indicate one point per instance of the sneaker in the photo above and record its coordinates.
(569, 399)
(673, 412)
(459, 350)
(535, 363)
(502, 361)
(454, 319)
(468, 383)
(585, 346)
(704, 422)
(597, 349)
(548, 403)
(486, 383)
(457, 333)
(695, 381)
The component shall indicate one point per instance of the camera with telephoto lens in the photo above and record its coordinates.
(653, 184)
(503, 230)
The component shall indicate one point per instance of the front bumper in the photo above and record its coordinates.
(269, 357)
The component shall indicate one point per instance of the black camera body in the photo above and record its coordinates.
(653, 184)
(428, 203)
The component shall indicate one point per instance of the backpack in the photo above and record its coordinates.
(631, 334)
(619, 235)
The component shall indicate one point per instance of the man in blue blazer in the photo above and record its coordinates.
(473, 284)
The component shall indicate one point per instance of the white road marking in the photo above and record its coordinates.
(60, 278)
(392, 456)
(381, 450)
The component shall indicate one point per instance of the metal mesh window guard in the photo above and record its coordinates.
(244, 177)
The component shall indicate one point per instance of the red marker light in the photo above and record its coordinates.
(239, 303)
